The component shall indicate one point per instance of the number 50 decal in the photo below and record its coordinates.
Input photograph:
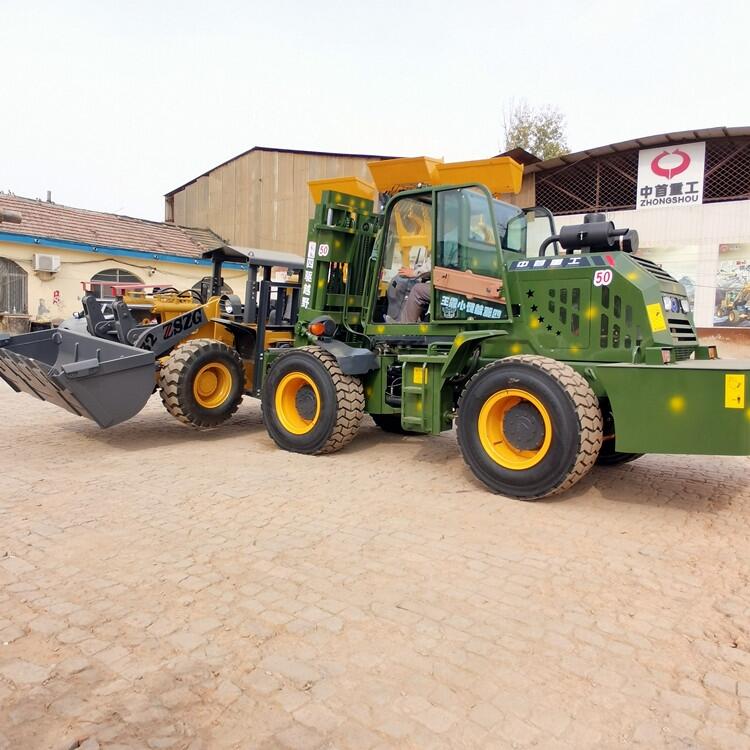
(603, 277)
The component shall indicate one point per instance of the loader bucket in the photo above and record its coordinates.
(94, 378)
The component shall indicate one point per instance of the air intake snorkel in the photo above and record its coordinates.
(595, 235)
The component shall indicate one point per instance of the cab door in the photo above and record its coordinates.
(467, 275)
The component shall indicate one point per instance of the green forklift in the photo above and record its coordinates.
(547, 361)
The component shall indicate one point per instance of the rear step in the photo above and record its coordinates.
(101, 380)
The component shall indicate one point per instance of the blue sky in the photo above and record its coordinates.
(110, 105)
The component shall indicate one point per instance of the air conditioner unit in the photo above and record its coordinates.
(49, 263)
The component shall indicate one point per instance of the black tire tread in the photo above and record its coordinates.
(350, 398)
(170, 376)
(586, 405)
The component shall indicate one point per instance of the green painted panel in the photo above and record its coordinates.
(680, 408)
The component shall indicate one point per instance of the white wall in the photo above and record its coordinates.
(682, 232)
(81, 266)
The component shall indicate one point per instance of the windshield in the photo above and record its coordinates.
(511, 226)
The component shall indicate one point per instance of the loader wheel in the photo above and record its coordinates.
(309, 405)
(529, 426)
(202, 383)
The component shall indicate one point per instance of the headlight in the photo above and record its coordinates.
(671, 304)
(229, 309)
(685, 305)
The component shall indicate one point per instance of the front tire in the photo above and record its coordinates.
(308, 404)
(202, 382)
(529, 426)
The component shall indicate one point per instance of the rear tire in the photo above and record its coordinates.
(529, 426)
(202, 383)
(308, 404)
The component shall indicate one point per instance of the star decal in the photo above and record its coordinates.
(530, 293)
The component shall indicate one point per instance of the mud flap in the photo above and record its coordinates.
(104, 381)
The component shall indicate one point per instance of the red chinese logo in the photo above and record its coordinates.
(670, 172)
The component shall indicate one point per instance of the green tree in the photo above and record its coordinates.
(539, 130)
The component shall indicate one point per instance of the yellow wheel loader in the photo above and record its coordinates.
(198, 351)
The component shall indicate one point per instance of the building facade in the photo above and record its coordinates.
(46, 259)
(686, 193)
(260, 198)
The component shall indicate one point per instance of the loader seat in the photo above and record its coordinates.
(288, 315)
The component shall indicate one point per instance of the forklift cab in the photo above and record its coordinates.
(453, 239)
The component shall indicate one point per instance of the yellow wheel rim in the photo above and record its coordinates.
(294, 407)
(491, 432)
(212, 385)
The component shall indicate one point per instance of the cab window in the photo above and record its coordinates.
(466, 232)
(468, 274)
(511, 226)
(407, 255)
(409, 237)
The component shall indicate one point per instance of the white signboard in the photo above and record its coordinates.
(671, 175)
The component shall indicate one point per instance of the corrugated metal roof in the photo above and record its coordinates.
(649, 141)
(53, 221)
(333, 154)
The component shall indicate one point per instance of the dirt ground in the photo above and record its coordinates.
(163, 588)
